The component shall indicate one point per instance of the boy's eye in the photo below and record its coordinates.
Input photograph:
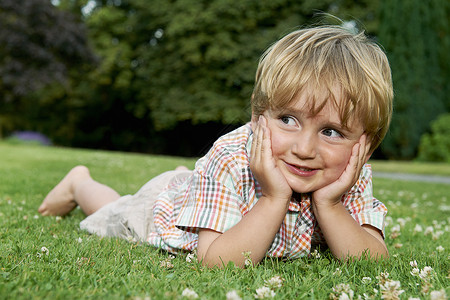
(287, 120)
(331, 133)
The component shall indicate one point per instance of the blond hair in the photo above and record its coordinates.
(322, 57)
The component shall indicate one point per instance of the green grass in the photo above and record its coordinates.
(427, 168)
(80, 265)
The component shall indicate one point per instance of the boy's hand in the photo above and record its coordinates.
(331, 194)
(263, 166)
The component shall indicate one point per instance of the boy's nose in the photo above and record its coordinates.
(304, 146)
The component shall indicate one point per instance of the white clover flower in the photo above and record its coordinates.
(401, 222)
(396, 228)
(264, 292)
(274, 282)
(444, 207)
(190, 257)
(35, 217)
(418, 228)
(383, 277)
(337, 272)
(413, 263)
(388, 220)
(437, 234)
(342, 291)
(438, 295)
(167, 263)
(366, 280)
(190, 294)
(233, 295)
(398, 245)
(436, 224)
(428, 269)
(315, 254)
(342, 288)
(415, 272)
(428, 230)
(391, 290)
(45, 250)
(79, 240)
(345, 296)
(426, 273)
(248, 261)
(440, 248)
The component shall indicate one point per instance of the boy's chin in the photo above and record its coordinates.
(306, 189)
(303, 191)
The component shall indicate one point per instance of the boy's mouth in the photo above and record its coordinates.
(301, 170)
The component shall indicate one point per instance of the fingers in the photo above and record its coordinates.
(261, 142)
(256, 143)
(358, 158)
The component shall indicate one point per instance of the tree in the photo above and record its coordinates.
(183, 68)
(38, 45)
(198, 58)
(415, 35)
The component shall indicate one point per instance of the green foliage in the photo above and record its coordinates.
(171, 68)
(435, 146)
(183, 68)
(80, 266)
(39, 45)
(417, 45)
(200, 61)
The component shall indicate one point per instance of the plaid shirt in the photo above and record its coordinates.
(222, 189)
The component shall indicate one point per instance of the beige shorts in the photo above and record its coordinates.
(131, 216)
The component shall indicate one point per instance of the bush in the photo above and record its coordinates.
(435, 146)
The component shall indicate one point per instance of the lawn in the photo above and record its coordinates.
(51, 258)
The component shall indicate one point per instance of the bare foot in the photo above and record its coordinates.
(60, 201)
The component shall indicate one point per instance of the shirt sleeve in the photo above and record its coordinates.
(361, 204)
(214, 199)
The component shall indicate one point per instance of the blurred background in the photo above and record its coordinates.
(171, 76)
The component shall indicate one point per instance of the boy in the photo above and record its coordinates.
(292, 179)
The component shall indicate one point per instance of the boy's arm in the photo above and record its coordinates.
(257, 229)
(253, 234)
(344, 236)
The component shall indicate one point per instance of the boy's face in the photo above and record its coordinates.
(311, 151)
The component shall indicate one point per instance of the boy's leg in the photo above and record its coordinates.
(77, 188)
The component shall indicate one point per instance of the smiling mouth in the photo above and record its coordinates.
(301, 171)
